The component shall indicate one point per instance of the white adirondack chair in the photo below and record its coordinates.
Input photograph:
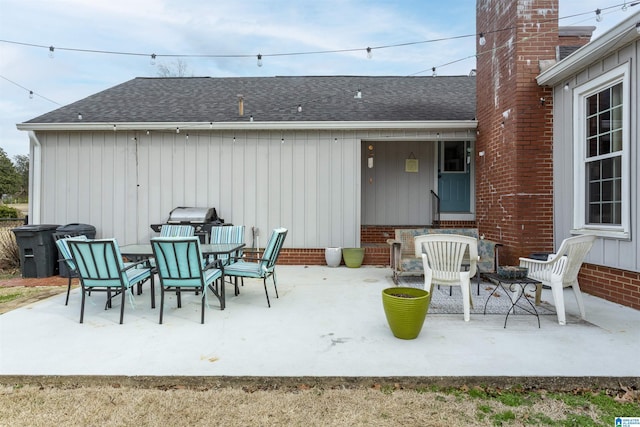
(561, 271)
(442, 256)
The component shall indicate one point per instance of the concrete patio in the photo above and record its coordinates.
(328, 322)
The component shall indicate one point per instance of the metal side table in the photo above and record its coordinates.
(510, 286)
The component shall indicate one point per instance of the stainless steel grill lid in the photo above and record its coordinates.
(192, 215)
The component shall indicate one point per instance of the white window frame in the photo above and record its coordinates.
(620, 74)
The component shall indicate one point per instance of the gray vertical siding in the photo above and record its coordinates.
(121, 182)
(616, 253)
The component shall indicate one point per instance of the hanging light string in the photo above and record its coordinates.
(368, 49)
(624, 6)
(31, 92)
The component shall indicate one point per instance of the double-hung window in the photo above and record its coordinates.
(601, 144)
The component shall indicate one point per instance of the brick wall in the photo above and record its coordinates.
(514, 176)
(619, 286)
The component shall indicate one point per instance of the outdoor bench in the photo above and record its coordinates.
(403, 260)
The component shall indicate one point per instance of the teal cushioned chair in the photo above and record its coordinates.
(227, 234)
(63, 247)
(180, 267)
(261, 267)
(101, 269)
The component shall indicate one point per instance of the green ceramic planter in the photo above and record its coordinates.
(406, 309)
(353, 257)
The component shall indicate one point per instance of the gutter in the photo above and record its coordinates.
(249, 125)
(35, 179)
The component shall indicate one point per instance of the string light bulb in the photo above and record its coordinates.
(177, 130)
(259, 60)
(358, 94)
(234, 139)
(369, 53)
(598, 15)
(282, 141)
(153, 59)
(638, 28)
(51, 49)
(482, 41)
(79, 116)
(566, 87)
(30, 94)
(434, 74)
(299, 108)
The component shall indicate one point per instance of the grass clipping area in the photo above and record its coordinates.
(378, 405)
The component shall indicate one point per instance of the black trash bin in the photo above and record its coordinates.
(38, 253)
(71, 230)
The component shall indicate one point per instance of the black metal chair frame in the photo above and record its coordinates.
(160, 256)
(111, 291)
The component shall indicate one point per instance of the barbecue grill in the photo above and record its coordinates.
(202, 219)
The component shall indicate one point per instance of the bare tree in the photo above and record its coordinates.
(178, 68)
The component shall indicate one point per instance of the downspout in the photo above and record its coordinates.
(35, 179)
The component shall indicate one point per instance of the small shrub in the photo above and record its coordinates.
(9, 212)
(9, 252)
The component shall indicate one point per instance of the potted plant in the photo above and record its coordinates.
(405, 309)
(353, 257)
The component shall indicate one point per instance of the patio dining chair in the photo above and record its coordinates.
(262, 267)
(101, 269)
(181, 268)
(560, 271)
(227, 234)
(65, 252)
(176, 230)
(442, 256)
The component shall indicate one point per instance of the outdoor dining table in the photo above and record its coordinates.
(143, 251)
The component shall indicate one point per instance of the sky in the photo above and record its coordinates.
(406, 37)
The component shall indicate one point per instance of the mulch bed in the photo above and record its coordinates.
(36, 281)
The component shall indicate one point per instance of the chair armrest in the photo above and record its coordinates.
(134, 264)
(393, 242)
(216, 263)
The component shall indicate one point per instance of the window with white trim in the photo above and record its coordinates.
(602, 179)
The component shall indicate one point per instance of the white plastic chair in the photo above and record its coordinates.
(442, 256)
(560, 271)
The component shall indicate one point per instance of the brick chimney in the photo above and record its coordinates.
(514, 171)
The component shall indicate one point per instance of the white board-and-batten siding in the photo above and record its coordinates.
(612, 252)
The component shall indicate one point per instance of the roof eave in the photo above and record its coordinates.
(255, 125)
(620, 35)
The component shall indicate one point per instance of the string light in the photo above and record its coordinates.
(51, 49)
(153, 59)
(369, 53)
(30, 94)
(358, 94)
(598, 15)
(282, 140)
(434, 74)
(299, 108)
(482, 41)
(259, 60)
(79, 116)
(566, 87)
(638, 28)
(177, 130)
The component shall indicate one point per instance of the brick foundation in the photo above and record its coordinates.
(373, 239)
(619, 286)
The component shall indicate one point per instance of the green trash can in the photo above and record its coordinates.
(38, 252)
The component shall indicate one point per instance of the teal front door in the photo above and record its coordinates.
(454, 178)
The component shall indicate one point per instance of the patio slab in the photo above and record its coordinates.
(328, 322)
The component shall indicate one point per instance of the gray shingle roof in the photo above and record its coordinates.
(329, 98)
